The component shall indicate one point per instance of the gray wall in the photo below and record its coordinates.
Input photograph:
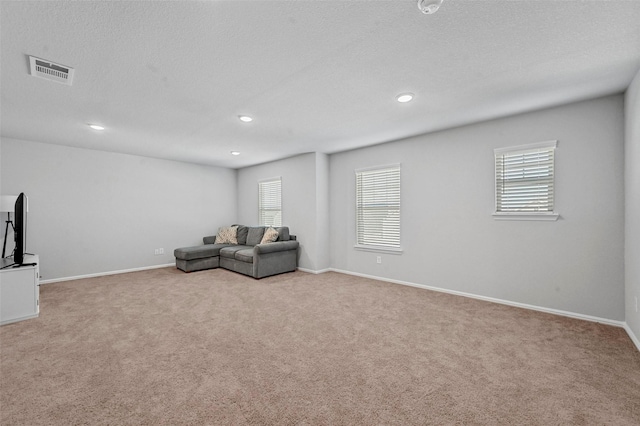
(92, 212)
(632, 206)
(449, 237)
(302, 204)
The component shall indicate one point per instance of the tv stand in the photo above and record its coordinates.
(19, 290)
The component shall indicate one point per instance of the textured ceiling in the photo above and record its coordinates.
(169, 79)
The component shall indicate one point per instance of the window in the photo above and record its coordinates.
(378, 208)
(270, 202)
(525, 182)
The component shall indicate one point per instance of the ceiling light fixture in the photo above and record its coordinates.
(404, 97)
(96, 127)
(245, 118)
(235, 153)
(429, 7)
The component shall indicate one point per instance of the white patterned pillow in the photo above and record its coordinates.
(270, 235)
(227, 235)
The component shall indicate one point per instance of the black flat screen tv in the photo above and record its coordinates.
(20, 229)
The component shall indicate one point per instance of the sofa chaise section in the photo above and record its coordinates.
(198, 258)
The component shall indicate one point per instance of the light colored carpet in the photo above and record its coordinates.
(215, 347)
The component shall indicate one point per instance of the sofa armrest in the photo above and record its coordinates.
(209, 240)
(276, 246)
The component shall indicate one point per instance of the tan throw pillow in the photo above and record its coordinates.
(270, 235)
(227, 235)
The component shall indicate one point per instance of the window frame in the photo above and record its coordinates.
(263, 186)
(395, 248)
(539, 147)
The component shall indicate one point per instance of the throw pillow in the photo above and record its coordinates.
(270, 235)
(227, 235)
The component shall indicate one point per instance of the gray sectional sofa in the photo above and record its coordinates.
(248, 256)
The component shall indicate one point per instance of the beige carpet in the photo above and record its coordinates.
(215, 347)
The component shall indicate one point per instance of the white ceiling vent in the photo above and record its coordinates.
(51, 71)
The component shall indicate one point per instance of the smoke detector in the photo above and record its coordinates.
(429, 7)
(51, 71)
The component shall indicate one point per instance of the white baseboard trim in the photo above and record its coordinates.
(102, 274)
(632, 335)
(312, 271)
(495, 300)
(19, 319)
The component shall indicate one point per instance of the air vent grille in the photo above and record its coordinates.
(51, 71)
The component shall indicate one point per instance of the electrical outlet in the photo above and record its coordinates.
(636, 303)
(160, 251)
(379, 259)
(156, 252)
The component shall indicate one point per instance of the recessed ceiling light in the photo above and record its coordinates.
(404, 97)
(235, 153)
(245, 118)
(96, 127)
(429, 7)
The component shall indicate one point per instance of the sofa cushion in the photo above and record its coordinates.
(227, 235)
(230, 251)
(245, 255)
(198, 252)
(242, 234)
(283, 233)
(255, 235)
(270, 236)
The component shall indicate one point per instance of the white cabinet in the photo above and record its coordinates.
(19, 291)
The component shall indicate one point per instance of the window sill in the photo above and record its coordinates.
(389, 250)
(526, 216)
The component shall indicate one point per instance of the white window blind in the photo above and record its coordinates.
(378, 208)
(270, 202)
(525, 179)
